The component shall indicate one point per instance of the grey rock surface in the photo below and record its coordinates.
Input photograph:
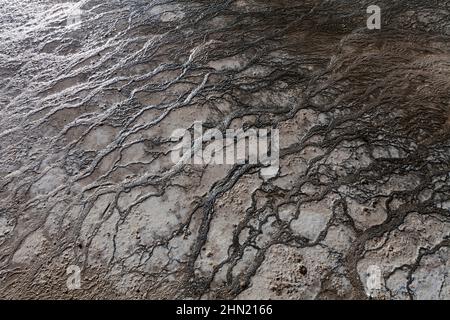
(91, 91)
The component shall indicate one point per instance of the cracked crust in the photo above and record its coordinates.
(85, 171)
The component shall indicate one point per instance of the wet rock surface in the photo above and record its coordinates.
(88, 107)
